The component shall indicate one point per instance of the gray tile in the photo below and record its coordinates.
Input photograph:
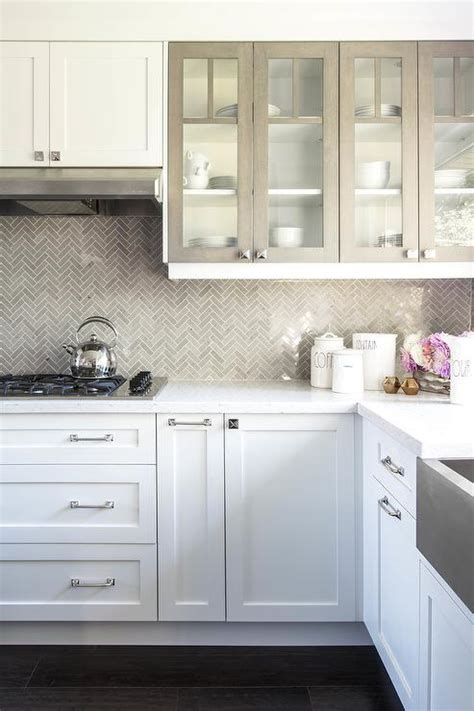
(56, 271)
(354, 698)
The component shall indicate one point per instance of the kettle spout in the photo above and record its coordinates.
(69, 349)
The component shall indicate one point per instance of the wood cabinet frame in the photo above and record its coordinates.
(407, 51)
(243, 52)
(427, 51)
(328, 52)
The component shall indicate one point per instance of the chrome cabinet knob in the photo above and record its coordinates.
(55, 156)
(429, 254)
(39, 155)
(245, 255)
(261, 255)
(411, 254)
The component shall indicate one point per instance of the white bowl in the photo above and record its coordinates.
(375, 181)
(449, 178)
(286, 237)
(374, 166)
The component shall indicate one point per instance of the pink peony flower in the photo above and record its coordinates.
(437, 355)
(408, 364)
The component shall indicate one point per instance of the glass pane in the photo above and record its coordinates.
(295, 221)
(378, 198)
(295, 156)
(210, 185)
(195, 88)
(225, 82)
(391, 87)
(364, 87)
(443, 70)
(454, 184)
(280, 87)
(467, 85)
(310, 87)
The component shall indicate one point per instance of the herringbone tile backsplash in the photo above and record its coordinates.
(56, 271)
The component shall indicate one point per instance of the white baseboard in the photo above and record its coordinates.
(186, 633)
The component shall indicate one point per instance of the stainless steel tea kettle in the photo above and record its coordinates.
(93, 358)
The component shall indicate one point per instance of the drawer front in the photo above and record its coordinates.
(72, 438)
(77, 504)
(392, 464)
(78, 583)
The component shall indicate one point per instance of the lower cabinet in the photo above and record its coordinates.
(79, 583)
(446, 649)
(290, 536)
(391, 588)
(191, 557)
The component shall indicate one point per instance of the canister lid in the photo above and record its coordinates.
(328, 336)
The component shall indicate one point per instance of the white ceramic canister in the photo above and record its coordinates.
(348, 371)
(379, 356)
(321, 359)
(462, 368)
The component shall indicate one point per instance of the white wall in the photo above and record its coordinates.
(234, 20)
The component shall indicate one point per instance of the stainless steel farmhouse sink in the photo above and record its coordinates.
(445, 521)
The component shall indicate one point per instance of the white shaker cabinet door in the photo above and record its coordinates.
(191, 517)
(446, 649)
(391, 587)
(24, 104)
(106, 103)
(290, 518)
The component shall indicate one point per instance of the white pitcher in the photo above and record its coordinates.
(462, 368)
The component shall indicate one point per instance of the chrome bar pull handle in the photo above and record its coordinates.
(206, 422)
(385, 504)
(76, 583)
(392, 467)
(105, 438)
(106, 505)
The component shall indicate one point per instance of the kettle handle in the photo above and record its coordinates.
(99, 319)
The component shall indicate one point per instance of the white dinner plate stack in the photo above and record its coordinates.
(450, 178)
(212, 242)
(223, 182)
(390, 239)
(231, 111)
(373, 175)
(386, 110)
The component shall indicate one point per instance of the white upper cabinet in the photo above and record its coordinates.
(290, 518)
(106, 104)
(24, 103)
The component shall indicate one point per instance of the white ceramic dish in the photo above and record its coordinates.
(286, 237)
(450, 178)
(373, 175)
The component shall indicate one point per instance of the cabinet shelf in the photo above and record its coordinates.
(454, 191)
(209, 192)
(295, 191)
(212, 121)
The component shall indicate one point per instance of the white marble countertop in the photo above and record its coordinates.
(427, 424)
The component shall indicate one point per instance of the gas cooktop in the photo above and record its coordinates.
(63, 385)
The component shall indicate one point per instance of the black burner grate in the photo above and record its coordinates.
(53, 384)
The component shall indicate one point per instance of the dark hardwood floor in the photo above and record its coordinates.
(194, 679)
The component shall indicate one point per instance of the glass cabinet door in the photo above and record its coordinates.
(210, 152)
(446, 118)
(295, 152)
(378, 156)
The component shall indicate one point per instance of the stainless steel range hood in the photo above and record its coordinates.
(79, 191)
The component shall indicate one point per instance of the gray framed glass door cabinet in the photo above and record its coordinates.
(446, 146)
(378, 152)
(210, 151)
(296, 151)
(253, 132)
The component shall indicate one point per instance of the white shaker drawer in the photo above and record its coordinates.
(77, 438)
(77, 504)
(78, 583)
(392, 464)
